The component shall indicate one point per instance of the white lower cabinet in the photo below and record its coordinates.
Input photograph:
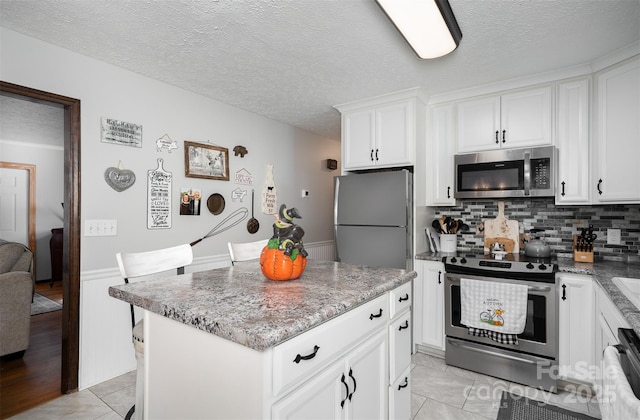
(575, 327)
(400, 397)
(354, 387)
(608, 320)
(428, 311)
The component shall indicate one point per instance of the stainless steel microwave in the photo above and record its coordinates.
(529, 172)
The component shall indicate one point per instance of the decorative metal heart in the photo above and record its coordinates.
(119, 179)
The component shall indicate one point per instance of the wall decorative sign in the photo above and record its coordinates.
(206, 161)
(243, 177)
(190, 199)
(269, 197)
(165, 142)
(158, 198)
(121, 132)
(119, 178)
(238, 194)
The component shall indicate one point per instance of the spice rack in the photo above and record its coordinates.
(582, 255)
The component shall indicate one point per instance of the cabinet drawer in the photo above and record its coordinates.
(309, 352)
(399, 345)
(400, 397)
(400, 298)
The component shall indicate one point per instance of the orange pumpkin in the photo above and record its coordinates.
(277, 266)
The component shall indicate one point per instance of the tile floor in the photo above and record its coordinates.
(438, 392)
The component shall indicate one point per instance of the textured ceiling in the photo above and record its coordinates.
(293, 60)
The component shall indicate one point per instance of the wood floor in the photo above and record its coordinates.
(35, 378)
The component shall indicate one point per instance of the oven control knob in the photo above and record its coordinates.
(454, 260)
(529, 266)
(542, 267)
(463, 260)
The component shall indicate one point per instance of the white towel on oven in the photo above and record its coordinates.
(494, 306)
(616, 397)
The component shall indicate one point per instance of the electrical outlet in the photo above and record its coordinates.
(304, 193)
(613, 236)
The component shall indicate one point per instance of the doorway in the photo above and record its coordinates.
(71, 227)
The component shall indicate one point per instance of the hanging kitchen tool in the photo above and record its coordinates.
(215, 203)
(227, 223)
(253, 225)
(501, 227)
(537, 247)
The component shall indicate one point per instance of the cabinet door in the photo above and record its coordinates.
(368, 379)
(440, 157)
(478, 124)
(358, 131)
(576, 353)
(429, 299)
(399, 345)
(618, 141)
(400, 397)
(319, 398)
(525, 118)
(394, 135)
(573, 143)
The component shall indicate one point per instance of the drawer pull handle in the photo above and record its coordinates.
(376, 316)
(347, 393)
(402, 299)
(405, 384)
(354, 383)
(307, 357)
(402, 327)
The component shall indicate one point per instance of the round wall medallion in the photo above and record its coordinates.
(215, 203)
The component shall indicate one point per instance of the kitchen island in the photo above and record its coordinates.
(228, 343)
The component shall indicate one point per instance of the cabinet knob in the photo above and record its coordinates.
(448, 192)
(405, 326)
(439, 277)
(376, 155)
(347, 388)
(403, 298)
(564, 292)
(404, 385)
(355, 385)
(497, 134)
(562, 193)
(503, 135)
(598, 186)
(371, 155)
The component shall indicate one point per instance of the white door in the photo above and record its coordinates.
(367, 379)
(431, 323)
(14, 205)
(479, 124)
(358, 131)
(525, 118)
(394, 134)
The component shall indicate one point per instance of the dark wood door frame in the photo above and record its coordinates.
(72, 231)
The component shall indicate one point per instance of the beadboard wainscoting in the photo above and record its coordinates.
(106, 350)
(560, 224)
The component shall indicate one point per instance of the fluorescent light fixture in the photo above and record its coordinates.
(429, 26)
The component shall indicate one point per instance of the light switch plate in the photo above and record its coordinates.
(101, 227)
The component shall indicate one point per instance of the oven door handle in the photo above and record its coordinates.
(539, 289)
(506, 356)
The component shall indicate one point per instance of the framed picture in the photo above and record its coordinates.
(206, 161)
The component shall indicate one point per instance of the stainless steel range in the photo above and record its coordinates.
(533, 360)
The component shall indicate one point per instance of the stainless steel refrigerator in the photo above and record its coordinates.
(373, 219)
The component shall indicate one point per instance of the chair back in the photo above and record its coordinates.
(137, 264)
(246, 251)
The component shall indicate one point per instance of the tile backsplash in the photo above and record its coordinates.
(560, 224)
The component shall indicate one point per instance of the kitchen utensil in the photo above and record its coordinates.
(501, 227)
(436, 226)
(252, 225)
(537, 247)
(506, 243)
(227, 223)
(443, 225)
(215, 203)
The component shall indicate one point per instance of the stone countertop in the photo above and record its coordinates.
(603, 272)
(239, 304)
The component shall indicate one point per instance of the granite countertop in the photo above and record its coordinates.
(239, 304)
(601, 271)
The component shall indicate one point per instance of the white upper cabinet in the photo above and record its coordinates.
(381, 132)
(439, 157)
(519, 119)
(573, 143)
(616, 148)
